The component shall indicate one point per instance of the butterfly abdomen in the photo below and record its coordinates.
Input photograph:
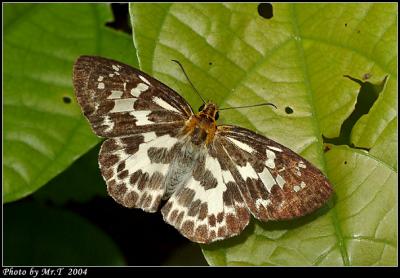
(180, 169)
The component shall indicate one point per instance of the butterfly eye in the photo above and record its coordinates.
(201, 107)
(216, 115)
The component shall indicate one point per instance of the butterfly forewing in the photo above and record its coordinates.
(275, 182)
(212, 177)
(119, 100)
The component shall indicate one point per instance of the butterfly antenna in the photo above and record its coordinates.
(190, 82)
(261, 104)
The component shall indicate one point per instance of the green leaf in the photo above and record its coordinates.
(72, 185)
(44, 130)
(39, 235)
(386, 144)
(377, 129)
(297, 61)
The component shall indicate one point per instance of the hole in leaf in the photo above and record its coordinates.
(66, 100)
(366, 76)
(121, 18)
(265, 10)
(345, 25)
(288, 110)
(345, 162)
(366, 98)
(210, 63)
(327, 149)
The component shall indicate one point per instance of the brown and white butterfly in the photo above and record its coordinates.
(212, 177)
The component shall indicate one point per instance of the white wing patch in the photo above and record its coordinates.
(301, 164)
(281, 181)
(262, 202)
(164, 104)
(141, 161)
(270, 159)
(145, 80)
(247, 171)
(267, 179)
(115, 94)
(123, 105)
(213, 165)
(107, 122)
(297, 188)
(141, 117)
(274, 148)
(227, 177)
(141, 87)
(241, 145)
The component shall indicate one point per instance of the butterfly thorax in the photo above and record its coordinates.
(202, 126)
(200, 130)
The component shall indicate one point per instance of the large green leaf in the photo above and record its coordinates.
(295, 60)
(40, 235)
(44, 130)
(72, 185)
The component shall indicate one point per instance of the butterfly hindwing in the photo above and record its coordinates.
(134, 167)
(209, 207)
(119, 100)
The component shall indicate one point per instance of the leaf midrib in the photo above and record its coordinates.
(317, 129)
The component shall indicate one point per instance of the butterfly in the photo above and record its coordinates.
(210, 178)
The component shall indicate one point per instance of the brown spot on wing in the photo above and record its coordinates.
(123, 174)
(121, 166)
(131, 199)
(211, 220)
(187, 227)
(166, 208)
(203, 211)
(135, 177)
(220, 217)
(201, 232)
(232, 223)
(142, 181)
(186, 196)
(156, 181)
(173, 215)
(180, 218)
(222, 231)
(117, 191)
(194, 208)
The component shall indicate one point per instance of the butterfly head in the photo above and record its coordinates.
(209, 110)
(202, 125)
